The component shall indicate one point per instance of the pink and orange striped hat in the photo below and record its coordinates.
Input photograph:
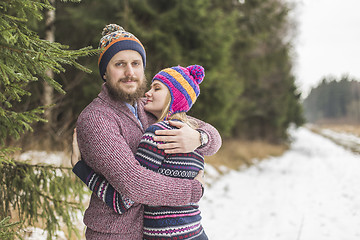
(183, 84)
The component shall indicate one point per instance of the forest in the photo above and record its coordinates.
(245, 48)
(49, 73)
(334, 101)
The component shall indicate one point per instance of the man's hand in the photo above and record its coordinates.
(182, 140)
(75, 154)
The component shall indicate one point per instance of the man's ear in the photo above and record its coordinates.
(104, 75)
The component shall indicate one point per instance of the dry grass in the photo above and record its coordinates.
(237, 153)
(347, 128)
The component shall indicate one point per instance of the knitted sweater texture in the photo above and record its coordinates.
(170, 222)
(160, 222)
(108, 136)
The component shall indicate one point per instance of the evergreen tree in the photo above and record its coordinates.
(245, 47)
(195, 32)
(262, 54)
(32, 193)
(334, 100)
(174, 33)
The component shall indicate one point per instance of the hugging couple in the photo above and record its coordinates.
(143, 158)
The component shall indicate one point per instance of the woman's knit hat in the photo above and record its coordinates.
(183, 84)
(114, 40)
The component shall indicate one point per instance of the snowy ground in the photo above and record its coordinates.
(349, 141)
(310, 193)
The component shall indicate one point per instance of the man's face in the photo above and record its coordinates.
(125, 76)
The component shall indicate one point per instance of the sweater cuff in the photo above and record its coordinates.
(82, 170)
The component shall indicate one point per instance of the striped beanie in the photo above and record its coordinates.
(183, 84)
(114, 40)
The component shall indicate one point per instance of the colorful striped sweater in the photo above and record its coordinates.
(160, 222)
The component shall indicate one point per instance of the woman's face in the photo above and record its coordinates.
(156, 98)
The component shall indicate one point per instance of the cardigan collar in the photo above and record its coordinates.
(118, 105)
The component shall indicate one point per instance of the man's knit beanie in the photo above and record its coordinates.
(114, 40)
(183, 84)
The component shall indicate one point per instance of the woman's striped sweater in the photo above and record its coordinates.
(160, 222)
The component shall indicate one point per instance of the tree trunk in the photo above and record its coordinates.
(48, 90)
(48, 94)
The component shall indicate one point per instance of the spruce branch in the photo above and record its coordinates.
(6, 233)
(41, 192)
(38, 192)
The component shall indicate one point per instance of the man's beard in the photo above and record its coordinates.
(118, 94)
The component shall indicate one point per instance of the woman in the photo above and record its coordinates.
(173, 92)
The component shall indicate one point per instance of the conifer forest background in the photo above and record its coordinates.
(246, 50)
(49, 73)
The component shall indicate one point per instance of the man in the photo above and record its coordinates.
(109, 130)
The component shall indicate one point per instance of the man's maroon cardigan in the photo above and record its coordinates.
(108, 136)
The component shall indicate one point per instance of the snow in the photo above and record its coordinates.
(36, 157)
(33, 233)
(347, 140)
(311, 192)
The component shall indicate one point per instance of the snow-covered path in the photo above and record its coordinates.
(312, 192)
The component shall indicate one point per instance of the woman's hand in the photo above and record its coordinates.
(75, 154)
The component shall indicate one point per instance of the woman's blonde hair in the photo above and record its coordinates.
(179, 116)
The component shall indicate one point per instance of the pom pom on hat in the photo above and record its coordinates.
(111, 28)
(197, 72)
(114, 40)
(183, 84)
